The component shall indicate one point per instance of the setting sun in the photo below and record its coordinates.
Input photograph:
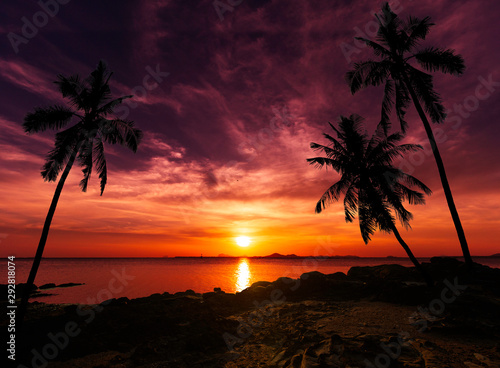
(243, 241)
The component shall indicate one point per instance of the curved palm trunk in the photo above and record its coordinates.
(442, 175)
(43, 239)
(429, 281)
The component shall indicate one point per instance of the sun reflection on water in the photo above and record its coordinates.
(242, 275)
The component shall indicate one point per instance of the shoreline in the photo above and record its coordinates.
(315, 319)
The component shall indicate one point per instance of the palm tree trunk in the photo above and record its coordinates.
(429, 281)
(43, 239)
(442, 175)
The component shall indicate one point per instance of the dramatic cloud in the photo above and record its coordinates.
(228, 108)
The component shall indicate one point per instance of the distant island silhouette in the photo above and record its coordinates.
(277, 255)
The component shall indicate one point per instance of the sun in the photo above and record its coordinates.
(243, 241)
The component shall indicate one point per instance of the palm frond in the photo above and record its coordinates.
(413, 181)
(416, 29)
(350, 203)
(108, 107)
(319, 162)
(121, 132)
(329, 151)
(367, 73)
(338, 148)
(100, 162)
(412, 196)
(423, 86)
(436, 59)
(85, 157)
(64, 145)
(389, 23)
(53, 117)
(331, 195)
(367, 222)
(378, 49)
(99, 86)
(72, 88)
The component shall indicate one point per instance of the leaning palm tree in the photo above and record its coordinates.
(396, 48)
(372, 187)
(91, 108)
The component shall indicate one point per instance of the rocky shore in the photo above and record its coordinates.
(381, 316)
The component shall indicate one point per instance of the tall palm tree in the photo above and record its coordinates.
(372, 187)
(91, 108)
(395, 48)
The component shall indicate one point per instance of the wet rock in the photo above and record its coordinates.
(261, 283)
(69, 284)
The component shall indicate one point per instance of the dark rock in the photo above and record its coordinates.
(261, 283)
(313, 276)
(257, 292)
(119, 301)
(69, 284)
(337, 276)
(383, 272)
(47, 286)
(208, 295)
(445, 262)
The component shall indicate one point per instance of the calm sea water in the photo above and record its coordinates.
(106, 278)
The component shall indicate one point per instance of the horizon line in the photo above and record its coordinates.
(268, 256)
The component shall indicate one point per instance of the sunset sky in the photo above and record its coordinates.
(227, 130)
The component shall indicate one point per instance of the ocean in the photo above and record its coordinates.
(106, 278)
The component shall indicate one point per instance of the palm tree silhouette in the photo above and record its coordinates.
(371, 185)
(395, 48)
(92, 108)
